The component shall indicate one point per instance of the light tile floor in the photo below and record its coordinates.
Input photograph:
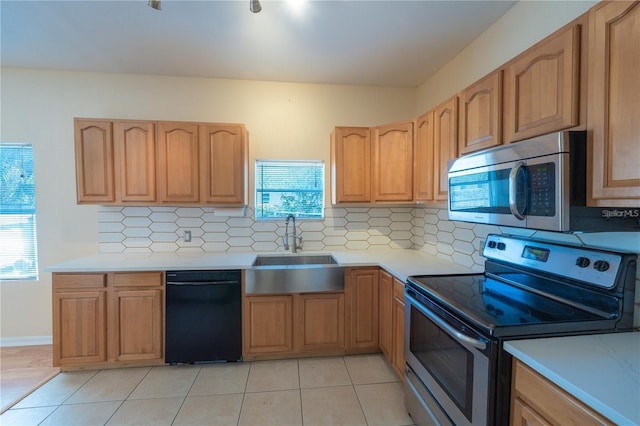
(349, 390)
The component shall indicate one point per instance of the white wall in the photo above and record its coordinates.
(285, 121)
(525, 24)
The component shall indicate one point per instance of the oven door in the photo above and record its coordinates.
(451, 363)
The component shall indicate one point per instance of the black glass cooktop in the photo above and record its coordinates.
(499, 308)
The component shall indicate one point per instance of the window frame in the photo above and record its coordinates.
(319, 164)
(24, 215)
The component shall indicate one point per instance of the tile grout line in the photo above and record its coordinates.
(187, 394)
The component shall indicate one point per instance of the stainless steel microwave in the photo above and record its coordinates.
(540, 183)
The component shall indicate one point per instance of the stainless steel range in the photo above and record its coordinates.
(456, 370)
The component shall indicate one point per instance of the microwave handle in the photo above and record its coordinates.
(513, 190)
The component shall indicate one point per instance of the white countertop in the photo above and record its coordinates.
(602, 370)
(401, 263)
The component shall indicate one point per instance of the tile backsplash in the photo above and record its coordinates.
(161, 229)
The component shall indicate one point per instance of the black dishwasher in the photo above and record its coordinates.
(203, 316)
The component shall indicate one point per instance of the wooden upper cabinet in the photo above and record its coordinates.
(393, 162)
(223, 164)
(135, 160)
(423, 158)
(445, 143)
(351, 165)
(614, 103)
(481, 114)
(94, 161)
(179, 171)
(543, 87)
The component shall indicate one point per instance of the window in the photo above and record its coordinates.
(289, 187)
(18, 254)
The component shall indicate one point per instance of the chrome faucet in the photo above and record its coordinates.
(297, 239)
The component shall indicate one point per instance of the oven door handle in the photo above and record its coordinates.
(462, 338)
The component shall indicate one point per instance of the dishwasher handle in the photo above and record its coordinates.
(199, 283)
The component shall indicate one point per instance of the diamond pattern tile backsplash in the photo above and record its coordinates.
(161, 229)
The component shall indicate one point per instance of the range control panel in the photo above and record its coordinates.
(596, 267)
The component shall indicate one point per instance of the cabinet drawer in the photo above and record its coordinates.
(79, 280)
(550, 401)
(137, 279)
(398, 289)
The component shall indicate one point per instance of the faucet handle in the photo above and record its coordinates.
(299, 244)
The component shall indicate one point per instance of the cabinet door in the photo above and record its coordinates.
(546, 401)
(136, 329)
(321, 319)
(524, 415)
(79, 327)
(481, 115)
(94, 161)
(223, 164)
(268, 324)
(543, 86)
(423, 157)
(351, 165)
(135, 160)
(361, 292)
(398, 336)
(613, 103)
(385, 320)
(445, 143)
(178, 166)
(393, 162)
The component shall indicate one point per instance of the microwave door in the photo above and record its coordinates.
(481, 195)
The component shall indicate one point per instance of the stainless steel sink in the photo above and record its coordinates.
(278, 274)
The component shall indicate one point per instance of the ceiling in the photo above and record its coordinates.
(380, 43)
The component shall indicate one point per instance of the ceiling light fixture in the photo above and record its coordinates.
(254, 6)
(155, 4)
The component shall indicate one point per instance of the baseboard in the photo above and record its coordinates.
(26, 341)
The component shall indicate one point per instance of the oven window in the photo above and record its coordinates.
(448, 362)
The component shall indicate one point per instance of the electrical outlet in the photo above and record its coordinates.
(186, 236)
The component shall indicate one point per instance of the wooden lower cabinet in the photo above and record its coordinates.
(385, 319)
(282, 326)
(361, 298)
(137, 325)
(391, 320)
(108, 319)
(537, 401)
(79, 327)
(397, 347)
(268, 325)
(321, 320)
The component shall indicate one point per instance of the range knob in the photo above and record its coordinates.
(601, 265)
(583, 262)
(501, 246)
(491, 244)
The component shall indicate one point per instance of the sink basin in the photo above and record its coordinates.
(305, 259)
(284, 274)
